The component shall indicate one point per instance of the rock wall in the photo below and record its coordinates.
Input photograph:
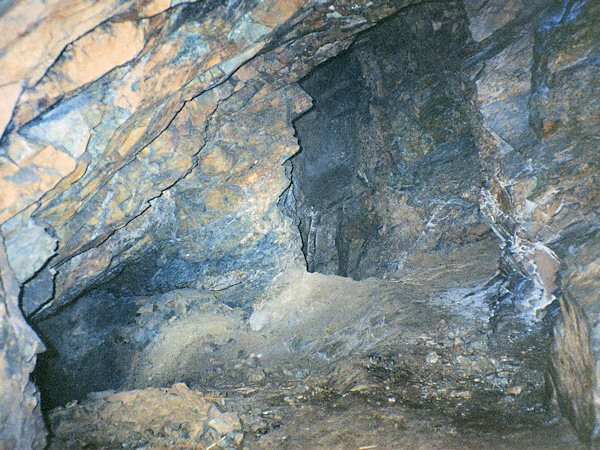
(389, 171)
(21, 424)
(143, 148)
(538, 91)
(142, 143)
(178, 108)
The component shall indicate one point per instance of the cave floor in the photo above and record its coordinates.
(329, 362)
(363, 423)
(290, 415)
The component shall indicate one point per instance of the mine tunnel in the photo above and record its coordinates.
(299, 224)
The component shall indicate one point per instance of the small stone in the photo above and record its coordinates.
(238, 437)
(261, 427)
(461, 394)
(195, 430)
(256, 376)
(515, 390)
(485, 365)
(226, 423)
(501, 381)
(213, 412)
(433, 358)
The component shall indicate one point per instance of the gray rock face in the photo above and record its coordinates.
(538, 92)
(389, 169)
(21, 423)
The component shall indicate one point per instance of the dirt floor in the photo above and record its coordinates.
(298, 416)
(426, 361)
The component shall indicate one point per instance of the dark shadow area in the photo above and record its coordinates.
(86, 348)
(388, 166)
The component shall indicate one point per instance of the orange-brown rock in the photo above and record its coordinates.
(130, 126)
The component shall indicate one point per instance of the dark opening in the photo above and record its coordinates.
(388, 165)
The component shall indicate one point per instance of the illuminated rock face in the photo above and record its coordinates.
(538, 97)
(144, 142)
(144, 148)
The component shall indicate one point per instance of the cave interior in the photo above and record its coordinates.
(392, 280)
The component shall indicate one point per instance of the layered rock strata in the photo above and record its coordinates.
(106, 117)
(538, 91)
(143, 148)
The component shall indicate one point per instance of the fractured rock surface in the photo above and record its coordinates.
(172, 417)
(21, 424)
(538, 92)
(154, 224)
(389, 169)
(104, 116)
